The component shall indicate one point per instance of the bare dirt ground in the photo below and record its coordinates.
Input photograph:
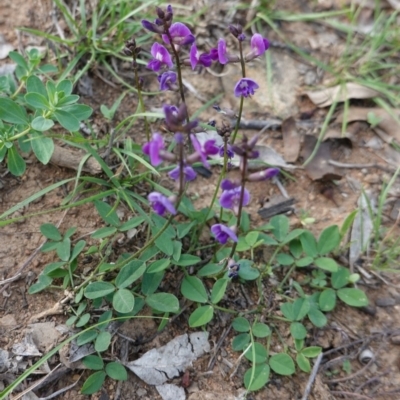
(349, 330)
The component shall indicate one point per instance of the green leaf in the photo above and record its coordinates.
(327, 300)
(164, 242)
(86, 337)
(177, 250)
(304, 262)
(301, 307)
(340, 278)
(303, 363)
(256, 353)
(296, 248)
(210, 270)
(327, 264)
(35, 85)
(280, 227)
(37, 101)
(309, 244)
(242, 245)
(64, 86)
(317, 318)
(183, 229)
(353, 297)
(284, 259)
(329, 240)
(93, 383)
(98, 289)
(241, 324)
(67, 120)
(116, 371)
(267, 240)
(123, 301)
(129, 273)
(12, 112)
(107, 212)
(282, 364)
(295, 233)
(150, 282)
(83, 320)
(261, 330)
(240, 342)
(298, 330)
(19, 59)
(287, 311)
(164, 302)
(246, 272)
(42, 146)
(131, 223)
(50, 231)
(159, 265)
(42, 124)
(187, 260)
(104, 232)
(251, 238)
(260, 374)
(218, 290)
(103, 341)
(348, 222)
(80, 111)
(93, 362)
(67, 100)
(201, 316)
(63, 249)
(312, 351)
(193, 289)
(15, 163)
(42, 283)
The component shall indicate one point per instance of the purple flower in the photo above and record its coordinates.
(153, 148)
(161, 203)
(263, 175)
(188, 173)
(245, 87)
(229, 151)
(150, 26)
(200, 153)
(222, 233)
(167, 80)
(180, 34)
(213, 54)
(231, 199)
(161, 57)
(210, 148)
(258, 44)
(226, 184)
(175, 119)
(197, 58)
(222, 56)
(233, 268)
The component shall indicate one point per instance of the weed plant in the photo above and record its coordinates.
(171, 246)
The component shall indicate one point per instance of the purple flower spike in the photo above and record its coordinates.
(167, 80)
(161, 57)
(153, 148)
(222, 233)
(180, 34)
(222, 56)
(188, 173)
(231, 198)
(229, 151)
(150, 26)
(245, 87)
(161, 203)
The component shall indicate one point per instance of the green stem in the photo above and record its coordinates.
(292, 268)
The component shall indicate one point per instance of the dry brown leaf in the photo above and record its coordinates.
(319, 168)
(325, 97)
(291, 140)
(386, 122)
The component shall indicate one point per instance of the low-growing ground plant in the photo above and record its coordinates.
(171, 226)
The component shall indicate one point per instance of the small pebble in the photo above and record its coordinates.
(385, 302)
(370, 310)
(395, 340)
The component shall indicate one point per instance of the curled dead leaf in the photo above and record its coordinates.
(340, 93)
